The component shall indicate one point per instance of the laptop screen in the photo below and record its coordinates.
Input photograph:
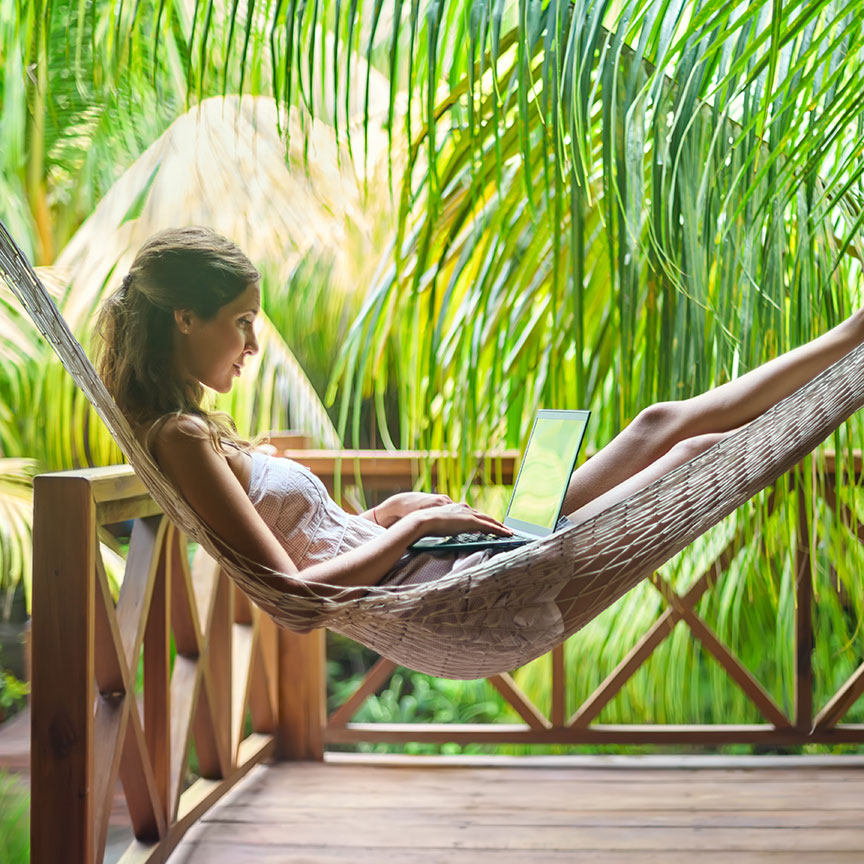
(545, 471)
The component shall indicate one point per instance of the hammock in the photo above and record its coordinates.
(464, 625)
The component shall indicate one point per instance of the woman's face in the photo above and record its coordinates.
(213, 351)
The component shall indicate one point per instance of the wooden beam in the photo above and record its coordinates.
(157, 675)
(501, 733)
(643, 649)
(841, 701)
(139, 783)
(525, 708)
(396, 469)
(302, 695)
(61, 756)
(736, 670)
(242, 645)
(372, 681)
(134, 600)
(559, 687)
(803, 620)
(218, 641)
(197, 800)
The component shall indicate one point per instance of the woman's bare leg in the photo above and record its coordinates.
(660, 427)
(678, 454)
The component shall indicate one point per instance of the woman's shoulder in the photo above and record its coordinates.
(171, 430)
(174, 426)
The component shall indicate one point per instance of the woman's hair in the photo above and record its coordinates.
(179, 268)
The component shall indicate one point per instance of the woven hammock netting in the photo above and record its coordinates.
(503, 613)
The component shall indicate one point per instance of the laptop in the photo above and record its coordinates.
(538, 494)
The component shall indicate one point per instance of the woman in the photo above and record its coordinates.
(184, 319)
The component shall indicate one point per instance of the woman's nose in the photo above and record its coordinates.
(252, 341)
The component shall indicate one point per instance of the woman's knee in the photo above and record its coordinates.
(689, 448)
(659, 420)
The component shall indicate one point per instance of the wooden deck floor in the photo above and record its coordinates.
(597, 811)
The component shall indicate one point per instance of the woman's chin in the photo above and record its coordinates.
(222, 387)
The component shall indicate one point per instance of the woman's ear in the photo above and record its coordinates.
(183, 319)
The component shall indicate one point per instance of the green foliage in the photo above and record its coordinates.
(13, 693)
(16, 504)
(601, 205)
(612, 207)
(14, 821)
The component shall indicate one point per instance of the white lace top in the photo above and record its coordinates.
(312, 527)
(295, 504)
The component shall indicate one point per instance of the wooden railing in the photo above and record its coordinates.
(232, 685)
(245, 691)
(804, 725)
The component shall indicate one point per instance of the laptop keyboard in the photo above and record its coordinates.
(479, 537)
(467, 537)
(471, 537)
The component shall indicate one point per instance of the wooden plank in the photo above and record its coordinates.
(269, 645)
(185, 690)
(586, 766)
(109, 662)
(185, 622)
(283, 811)
(106, 483)
(373, 681)
(242, 607)
(197, 800)
(112, 706)
(451, 792)
(559, 687)
(109, 729)
(841, 701)
(401, 813)
(290, 439)
(739, 797)
(302, 695)
(139, 783)
(110, 512)
(646, 645)
(736, 670)
(500, 733)
(394, 469)
(218, 640)
(261, 709)
(64, 540)
(502, 813)
(242, 639)
(204, 851)
(212, 757)
(206, 574)
(524, 707)
(358, 832)
(157, 675)
(803, 704)
(142, 563)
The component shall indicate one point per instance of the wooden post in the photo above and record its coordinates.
(157, 676)
(61, 756)
(219, 651)
(302, 695)
(803, 617)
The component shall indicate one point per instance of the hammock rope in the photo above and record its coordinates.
(516, 606)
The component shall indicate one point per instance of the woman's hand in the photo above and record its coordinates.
(452, 518)
(397, 506)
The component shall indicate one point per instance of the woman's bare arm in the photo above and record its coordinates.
(185, 454)
(204, 478)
